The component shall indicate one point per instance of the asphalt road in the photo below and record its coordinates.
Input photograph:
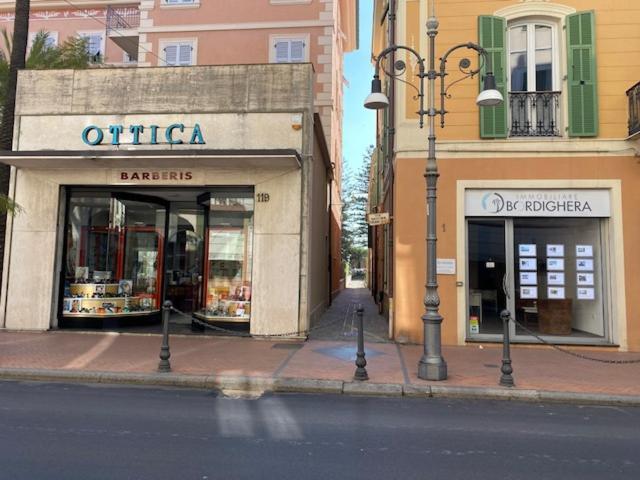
(56, 431)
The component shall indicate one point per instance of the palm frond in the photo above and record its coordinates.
(8, 205)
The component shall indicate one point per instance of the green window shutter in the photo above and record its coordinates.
(581, 66)
(492, 37)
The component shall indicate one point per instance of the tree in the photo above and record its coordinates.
(73, 53)
(354, 212)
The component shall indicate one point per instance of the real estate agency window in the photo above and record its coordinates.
(534, 99)
(178, 53)
(289, 50)
(550, 271)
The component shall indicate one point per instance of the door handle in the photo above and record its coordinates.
(505, 285)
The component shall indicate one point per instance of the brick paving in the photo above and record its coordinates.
(323, 357)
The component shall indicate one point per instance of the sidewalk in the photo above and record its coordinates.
(231, 363)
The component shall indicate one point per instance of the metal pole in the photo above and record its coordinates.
(164, 365)
(432, 365)
(361, 362)
(506, 379)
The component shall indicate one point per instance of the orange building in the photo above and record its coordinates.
(537, 198)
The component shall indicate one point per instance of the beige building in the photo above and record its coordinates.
(537, 198)
(148, 33)
(206, 186)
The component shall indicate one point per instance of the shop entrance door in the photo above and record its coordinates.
(184, 258)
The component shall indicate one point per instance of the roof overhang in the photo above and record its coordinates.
(278, 158)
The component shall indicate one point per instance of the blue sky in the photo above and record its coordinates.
(359, 123)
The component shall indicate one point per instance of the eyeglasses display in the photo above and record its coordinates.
(114, 252)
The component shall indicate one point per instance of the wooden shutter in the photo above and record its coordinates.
(171, 54)
(184, 54)
(282, 51)
(492, 37)
(297, 51)
(581, 73)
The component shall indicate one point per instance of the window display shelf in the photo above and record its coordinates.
(119, 314)
(221, 318)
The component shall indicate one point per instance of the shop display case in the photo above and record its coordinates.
(228, 259)
(114, 268)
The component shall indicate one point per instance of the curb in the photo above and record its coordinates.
(305, 385)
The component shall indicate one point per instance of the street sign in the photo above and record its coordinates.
(378, 218)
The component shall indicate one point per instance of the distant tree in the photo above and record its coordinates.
(355, 186)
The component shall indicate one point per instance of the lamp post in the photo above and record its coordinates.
(432, 365)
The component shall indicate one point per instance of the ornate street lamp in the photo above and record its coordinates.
(432, 365)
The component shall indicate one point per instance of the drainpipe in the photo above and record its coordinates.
(390, 148)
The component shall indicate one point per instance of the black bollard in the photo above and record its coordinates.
(506, 379)
(164, 365)
(361, 362)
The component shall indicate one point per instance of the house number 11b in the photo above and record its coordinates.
(262, 197)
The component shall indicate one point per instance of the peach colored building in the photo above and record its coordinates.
(537, 198)
(198, 32)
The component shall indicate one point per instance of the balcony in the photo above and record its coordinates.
(534, 114)
(122, 28)
(634, 110)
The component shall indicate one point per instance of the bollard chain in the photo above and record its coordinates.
(569, 352)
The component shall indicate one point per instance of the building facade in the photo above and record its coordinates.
(206, 186)
(149, 33)
(536, 198)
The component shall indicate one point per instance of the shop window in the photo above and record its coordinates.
(228, 256)
(113, 256)
(548, 272)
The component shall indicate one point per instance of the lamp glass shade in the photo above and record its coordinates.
(376, 101)
(489, 98)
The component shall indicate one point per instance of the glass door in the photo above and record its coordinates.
(548, 272)
(486, 275)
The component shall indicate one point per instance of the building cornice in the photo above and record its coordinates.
(534, 8)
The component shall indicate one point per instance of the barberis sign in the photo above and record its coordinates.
(538, 203)
(115, 135)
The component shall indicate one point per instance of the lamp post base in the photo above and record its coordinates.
(432, 369)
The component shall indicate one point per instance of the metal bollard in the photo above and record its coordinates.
(361, 362)
(506, 379)
(164, 365)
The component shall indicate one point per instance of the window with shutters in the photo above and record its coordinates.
(289, 49)
(533, 79)
(178, 53)
(95, 45)
(545, 68)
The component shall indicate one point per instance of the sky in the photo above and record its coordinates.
(359, 123)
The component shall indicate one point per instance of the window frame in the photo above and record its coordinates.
(274, 39)
(164, 43)
(52, 35)
(557, 67)
(87, 33)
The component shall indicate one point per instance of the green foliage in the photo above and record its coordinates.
(73, 53)
(355, 194)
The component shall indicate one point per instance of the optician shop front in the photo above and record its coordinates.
(122, 211)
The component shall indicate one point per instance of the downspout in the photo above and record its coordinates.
(330, 218)
(391, 148)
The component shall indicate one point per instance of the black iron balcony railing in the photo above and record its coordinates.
(122, 18)
(634, 109)
(534, 114)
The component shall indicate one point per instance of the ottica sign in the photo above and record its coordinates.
(175, 134)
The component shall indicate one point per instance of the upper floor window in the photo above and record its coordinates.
(530, 73)
(95, 44)
(288, 50)
(175, 2)
(50, 42)
(178, 53)
(534, 102)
